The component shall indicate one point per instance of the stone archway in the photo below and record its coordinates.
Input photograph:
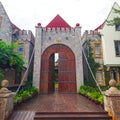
(66, 70)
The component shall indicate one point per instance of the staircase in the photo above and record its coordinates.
(72, 116)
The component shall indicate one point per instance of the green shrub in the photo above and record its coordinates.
(9, 58)
(17, 99)
(82, 89)
(85, 89)
(34, 89)
(92, 93)
(25, 93)
(118, 87)
(100, 99)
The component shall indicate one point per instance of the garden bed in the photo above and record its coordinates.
(93, 100)
(25, 95)
(92, 94)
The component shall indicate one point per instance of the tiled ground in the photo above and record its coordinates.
(54, 103)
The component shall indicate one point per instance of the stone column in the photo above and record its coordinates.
(78, 54)
(6, 101)
(37, 57)
(112, 100)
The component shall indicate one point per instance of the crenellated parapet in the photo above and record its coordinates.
(92, 35)
(25, 35)
(59, 30)
(59, 33)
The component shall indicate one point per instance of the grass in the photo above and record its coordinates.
(56, 85)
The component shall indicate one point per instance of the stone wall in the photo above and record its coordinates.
(93, 37)
(46, 38)
(10, 32)
(28, 39)
(6, 25)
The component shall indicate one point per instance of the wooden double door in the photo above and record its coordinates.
(66, 70)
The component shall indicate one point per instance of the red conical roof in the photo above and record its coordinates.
(58, 22)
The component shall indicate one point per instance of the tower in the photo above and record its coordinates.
(58, 37)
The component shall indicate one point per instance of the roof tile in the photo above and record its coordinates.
(58, 22)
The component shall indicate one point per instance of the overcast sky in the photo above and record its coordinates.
(27, 13)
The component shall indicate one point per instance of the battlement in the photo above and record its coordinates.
(59, 30)
(91, 32)
(26, 35)
(91, 35)
(23, 32)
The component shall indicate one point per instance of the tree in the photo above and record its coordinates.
(116, 20)
(9, 58)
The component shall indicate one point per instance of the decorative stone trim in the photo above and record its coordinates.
(6, 101)
(112, 100)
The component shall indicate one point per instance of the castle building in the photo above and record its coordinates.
(105, 42)
(24, 39)
(110, 36)
(58, 37)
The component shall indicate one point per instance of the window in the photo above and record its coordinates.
(66, 38)
(49, 38)
(0, 20)
(97, 50)
(117, 27)
(117, 48)
(21, 48)
(99, 76)
(114, 74)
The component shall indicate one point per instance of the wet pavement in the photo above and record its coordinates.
(59, 103)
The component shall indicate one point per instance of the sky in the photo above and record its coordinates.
(27, 13)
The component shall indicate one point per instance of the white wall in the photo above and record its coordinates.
(109, 34)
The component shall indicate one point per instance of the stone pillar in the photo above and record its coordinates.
(6, 101)
(78, 55)
(112, 100)
(37, 57)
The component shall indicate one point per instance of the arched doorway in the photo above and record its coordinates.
(66, 70)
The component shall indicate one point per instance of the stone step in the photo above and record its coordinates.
(72, 116)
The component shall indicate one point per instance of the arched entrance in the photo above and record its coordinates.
(66, 70)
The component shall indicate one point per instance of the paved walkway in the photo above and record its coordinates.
(57, 103)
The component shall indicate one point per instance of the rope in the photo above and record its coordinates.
(25, 71)
(90, 67)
